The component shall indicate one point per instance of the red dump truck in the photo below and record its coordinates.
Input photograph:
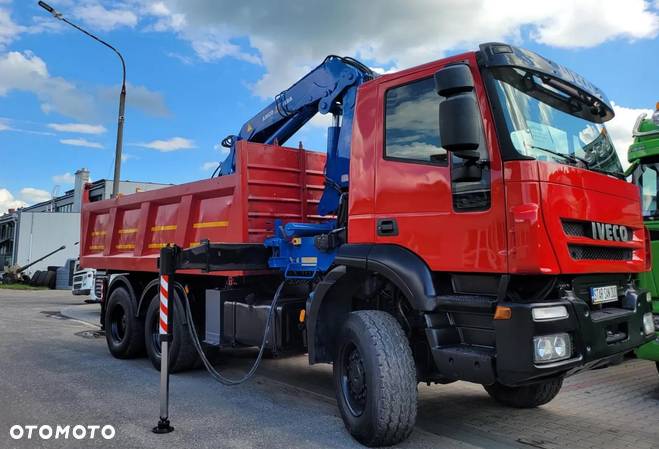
(469, 221)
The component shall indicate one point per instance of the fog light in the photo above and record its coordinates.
(648, 323)
(549, 313)
(552, 348)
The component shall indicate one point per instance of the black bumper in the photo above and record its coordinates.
(596, 335)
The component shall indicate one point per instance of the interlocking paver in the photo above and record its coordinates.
(612, 408)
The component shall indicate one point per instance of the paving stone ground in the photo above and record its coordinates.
(52, 369)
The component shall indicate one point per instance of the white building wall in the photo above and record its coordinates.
(42, 232)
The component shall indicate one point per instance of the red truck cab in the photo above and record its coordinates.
(487, 234)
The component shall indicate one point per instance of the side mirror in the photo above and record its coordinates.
(459, 115)
(454, 79)
(460, 126)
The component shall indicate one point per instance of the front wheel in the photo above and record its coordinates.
(527, 396)
(375, 379)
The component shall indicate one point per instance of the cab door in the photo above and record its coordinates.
(426, 199)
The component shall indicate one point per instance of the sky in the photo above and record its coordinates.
(198, 69)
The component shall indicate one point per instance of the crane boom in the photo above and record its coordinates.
(329, 88)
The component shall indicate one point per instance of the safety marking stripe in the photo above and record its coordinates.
(126, 246)
(98, 233)
(164, 285)
(211, 224)
(127, 231)
(163, 228)
(96, 247)
(157, 245)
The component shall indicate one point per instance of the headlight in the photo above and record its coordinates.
(648, 323)
(552, 348)
(549, 313)
(648, 297)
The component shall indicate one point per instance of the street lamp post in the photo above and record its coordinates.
(122, 97)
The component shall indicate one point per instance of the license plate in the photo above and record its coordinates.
(601, 295)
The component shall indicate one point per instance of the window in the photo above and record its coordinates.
(648, 183)
(412, 123)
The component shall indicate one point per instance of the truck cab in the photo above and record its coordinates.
(644, 156)
(470, 221)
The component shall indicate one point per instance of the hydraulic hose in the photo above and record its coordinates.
(209, 367)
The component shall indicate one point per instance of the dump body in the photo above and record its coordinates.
(270, 182)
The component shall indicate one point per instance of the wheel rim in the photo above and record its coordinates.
(118, 323)
(353, 380)
(155, 336)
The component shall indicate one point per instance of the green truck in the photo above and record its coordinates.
(644, 158)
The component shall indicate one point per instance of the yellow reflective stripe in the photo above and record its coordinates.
(157, 245)
(163, 228)
(127, 231)
(96, 247)
(126, 246)
(98, 233)
(211, 224)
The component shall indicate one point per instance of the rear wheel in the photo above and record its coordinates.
(123, 330)
(182, 353)
(527, 396)
(375, 379)
(657, 363)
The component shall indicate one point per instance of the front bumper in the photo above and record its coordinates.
(597, 335)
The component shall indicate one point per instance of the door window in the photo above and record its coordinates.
(412, 123)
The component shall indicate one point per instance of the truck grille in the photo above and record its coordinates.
(587, 252)
(575, 228)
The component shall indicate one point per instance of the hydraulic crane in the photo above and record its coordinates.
(329, 88)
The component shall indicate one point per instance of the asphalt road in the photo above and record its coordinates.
(55, 371)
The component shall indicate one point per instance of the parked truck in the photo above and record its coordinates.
(644, 158)
(469, 221)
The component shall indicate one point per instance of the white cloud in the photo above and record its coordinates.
(65, 178)
(165, 146)
(100, 18)
(139, 97)
(7, 201)
(81, 128)
(208, 166)
(390, 35)
(9, 30)
(126, 157)
(24, 71)
(620, 129)
(81, 143)
(32, 195)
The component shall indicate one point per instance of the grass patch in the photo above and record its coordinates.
(21, 287)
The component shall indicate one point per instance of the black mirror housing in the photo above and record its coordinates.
(454, 79)
(460, 125)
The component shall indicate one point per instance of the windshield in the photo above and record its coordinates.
(646, 176)
(546, 133)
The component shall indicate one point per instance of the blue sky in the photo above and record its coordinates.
(198, 69)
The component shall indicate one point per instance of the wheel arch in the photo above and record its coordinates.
(331, 300)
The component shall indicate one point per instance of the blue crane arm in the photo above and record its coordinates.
(329, 88)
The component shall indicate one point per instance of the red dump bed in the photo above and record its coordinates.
(270, 182)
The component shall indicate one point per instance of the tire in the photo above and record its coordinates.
(375, 379)
(657, 364)
(182, 353)
(123, 330)
(527, 396)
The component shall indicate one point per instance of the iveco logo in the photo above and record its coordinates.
(606, 231)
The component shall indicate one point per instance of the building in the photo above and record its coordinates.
(30, 232)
